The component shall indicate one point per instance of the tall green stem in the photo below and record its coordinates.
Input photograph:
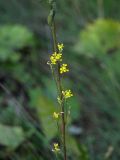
(51, 22)
(53, 30)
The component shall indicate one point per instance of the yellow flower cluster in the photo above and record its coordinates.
(60, 47)
(56, 147)
(67, 94)
(64, 68)
(56, 115)
(55, 57)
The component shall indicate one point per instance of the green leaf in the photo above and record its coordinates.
(11, 136)
(13, 38)
(45, 107)
(99, 38)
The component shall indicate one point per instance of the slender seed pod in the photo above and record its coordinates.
(52, 12)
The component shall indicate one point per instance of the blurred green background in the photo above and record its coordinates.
(90, 31)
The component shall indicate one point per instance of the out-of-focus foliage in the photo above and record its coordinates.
(104, 37)
(13, 38)
(45, 106)
(20, 131)
(99, 48)
(11, 136)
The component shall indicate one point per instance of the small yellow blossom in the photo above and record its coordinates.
(55, 115)
(67, 94)
(55, 57)
(60, 47)
(56, 147)
(53, 60)
(64, 68)
(59, 56)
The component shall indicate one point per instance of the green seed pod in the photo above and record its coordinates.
(54, 6)
(51, 1)
(51, 17)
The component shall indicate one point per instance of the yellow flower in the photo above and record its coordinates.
(56, 147)
(59, 56)
(60, 47)
(67, 94)
(53, 60)
(55, 57)
(55, 115)
(64, 68)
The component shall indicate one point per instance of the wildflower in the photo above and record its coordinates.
(67, 94)
(55, 115)
(53, 60)
(55, 57)
(64, 68)
(56, 147)
(60, 47)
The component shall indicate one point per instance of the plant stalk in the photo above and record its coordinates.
(53, 30)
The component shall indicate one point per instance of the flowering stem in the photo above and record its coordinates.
(64, 132)
(59, 86)
(60, 93)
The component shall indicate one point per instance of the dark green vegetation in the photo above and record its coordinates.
(27, 91)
